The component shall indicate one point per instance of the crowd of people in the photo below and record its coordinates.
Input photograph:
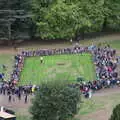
(10, 88)
(105, 61)
(54, 51)
(14, 92)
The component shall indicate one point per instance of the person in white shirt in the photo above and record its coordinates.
(90, 93)
(71, 40)
(41, 59)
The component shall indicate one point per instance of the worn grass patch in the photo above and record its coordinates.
(90, 105)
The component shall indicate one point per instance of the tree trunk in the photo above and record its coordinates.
(104, 27)
(83, 35)
(77, 36)
(9, 34)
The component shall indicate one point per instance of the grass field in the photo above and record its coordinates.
(115, 44)
(58, 67)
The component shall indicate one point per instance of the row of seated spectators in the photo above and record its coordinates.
(54, 51)
(19, 62)
(104, 59)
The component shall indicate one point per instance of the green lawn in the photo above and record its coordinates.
(57, 67)
(115, 44)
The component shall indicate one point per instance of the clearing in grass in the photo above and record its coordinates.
(57, 67)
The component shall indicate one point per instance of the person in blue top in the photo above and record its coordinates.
(1, 76)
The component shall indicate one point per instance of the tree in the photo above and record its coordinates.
(66, 19)
(111, 14)
(116, 113)
(55, 101)
(14, 20)
(56, 19)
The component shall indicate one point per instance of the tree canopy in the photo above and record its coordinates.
(57, 19)
(68, 18)
(55, 101)
(15, 19)
(116, 113)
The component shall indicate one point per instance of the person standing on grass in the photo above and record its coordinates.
(41, 60)
(2, 76)
(90, 93)
(9, 98)
(26, 98)
(4, 67)
(71, 41)
(19, 95)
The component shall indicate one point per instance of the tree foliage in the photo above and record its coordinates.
(113, 14)
(68, 18)
(116, 113)
(55, 101)
(57, 19)
(15, 19)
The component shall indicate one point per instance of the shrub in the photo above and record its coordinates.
(116, 113)
(55, 101)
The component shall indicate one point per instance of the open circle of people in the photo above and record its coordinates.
(104, 58)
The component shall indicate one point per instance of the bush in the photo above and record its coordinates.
(55, 101)
(116, 113)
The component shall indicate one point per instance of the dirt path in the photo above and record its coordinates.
(58, 44)
(7, 50)
(99, 115)
(103, 113)
(19, 106)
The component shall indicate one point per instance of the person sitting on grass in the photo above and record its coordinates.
(4, 67)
